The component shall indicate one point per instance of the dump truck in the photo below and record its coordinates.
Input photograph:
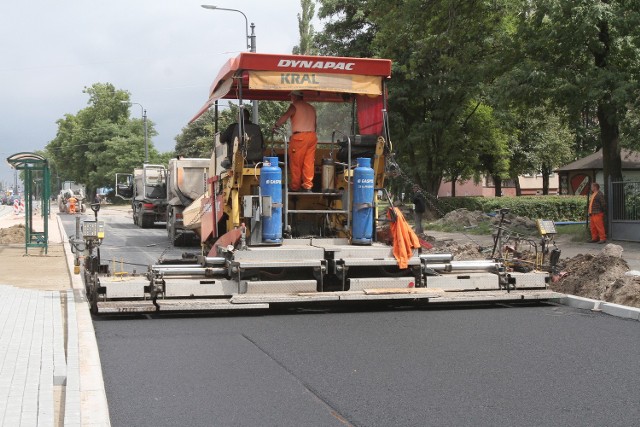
(71, 189)
(186, 182)
(264, 245)
(147, 190)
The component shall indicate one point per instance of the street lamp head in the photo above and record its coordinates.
(250, 39)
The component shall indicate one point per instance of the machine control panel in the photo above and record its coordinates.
(546, 227)
(93, 229)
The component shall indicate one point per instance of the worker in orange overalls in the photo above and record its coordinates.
(597, 207)
(303, 142)
(72, 204)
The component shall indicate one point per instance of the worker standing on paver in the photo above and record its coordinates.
(72, 204)
(303, 142)
(597, 207)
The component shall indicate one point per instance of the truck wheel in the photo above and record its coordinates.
(171, 228)
(172, 236)
(145, 221)
(135, 215)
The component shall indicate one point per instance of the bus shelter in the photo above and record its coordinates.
(36, 186)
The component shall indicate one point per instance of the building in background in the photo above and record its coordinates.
(530, 185)
(576, 177)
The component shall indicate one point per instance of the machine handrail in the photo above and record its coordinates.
(285, 207)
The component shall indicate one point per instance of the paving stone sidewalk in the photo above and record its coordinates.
(50, 373)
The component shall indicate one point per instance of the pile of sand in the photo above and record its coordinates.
(13, 234)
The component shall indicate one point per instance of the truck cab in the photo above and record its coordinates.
(147, 190)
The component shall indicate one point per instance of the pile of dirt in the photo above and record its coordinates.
(516, 222)
(602, 277)
(13, 234)
(463, 217)
(460, 251)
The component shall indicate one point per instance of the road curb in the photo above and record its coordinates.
(611, 309)
(91, 395)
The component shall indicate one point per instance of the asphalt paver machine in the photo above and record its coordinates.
(263, 245)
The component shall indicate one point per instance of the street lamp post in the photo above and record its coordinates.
(251, 45)
(144, 121)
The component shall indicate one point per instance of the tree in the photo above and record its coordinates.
(100, 140)
(481, 149)
(540, 141)
(581, 54)
(197, 138)
(306, 45)
(348, 30)
(445, 54)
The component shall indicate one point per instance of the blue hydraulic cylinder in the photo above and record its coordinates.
(271, 185)
(363, 193)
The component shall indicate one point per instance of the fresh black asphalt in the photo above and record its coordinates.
(540, 365)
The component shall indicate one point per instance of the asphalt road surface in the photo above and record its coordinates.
(131, 247)
(475, 366)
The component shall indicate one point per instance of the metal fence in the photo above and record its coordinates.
(624, 211)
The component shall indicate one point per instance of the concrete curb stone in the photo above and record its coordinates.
(611, 309)
(90, 403)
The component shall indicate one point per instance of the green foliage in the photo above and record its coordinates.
(539, 142)
(306, 46)
(480, 229)
(470, 203)
(348, 28)
(444, 55)
(100, 140)
(270, 112)
(196, 139)
(478, 145)
(557, 208)
(557, 79)
(577, 232)
(585, 57)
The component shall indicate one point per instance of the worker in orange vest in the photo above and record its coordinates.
(597, 207)
(72, 204)
(303, 142)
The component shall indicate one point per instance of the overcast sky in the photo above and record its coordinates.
(166, 53)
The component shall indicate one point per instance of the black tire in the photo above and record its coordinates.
(146, 221)
(171, 232)
(135, 215)
(91, 285)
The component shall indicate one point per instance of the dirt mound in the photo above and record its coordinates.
(13, 234)
(460, 251)
(604, 276)
(463, 217)
(601, 277)
(516, 222)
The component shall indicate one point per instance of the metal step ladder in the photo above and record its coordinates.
(287, 193)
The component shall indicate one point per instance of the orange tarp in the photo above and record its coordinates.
(404, 239)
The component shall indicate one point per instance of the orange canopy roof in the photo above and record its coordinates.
(259, 76)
